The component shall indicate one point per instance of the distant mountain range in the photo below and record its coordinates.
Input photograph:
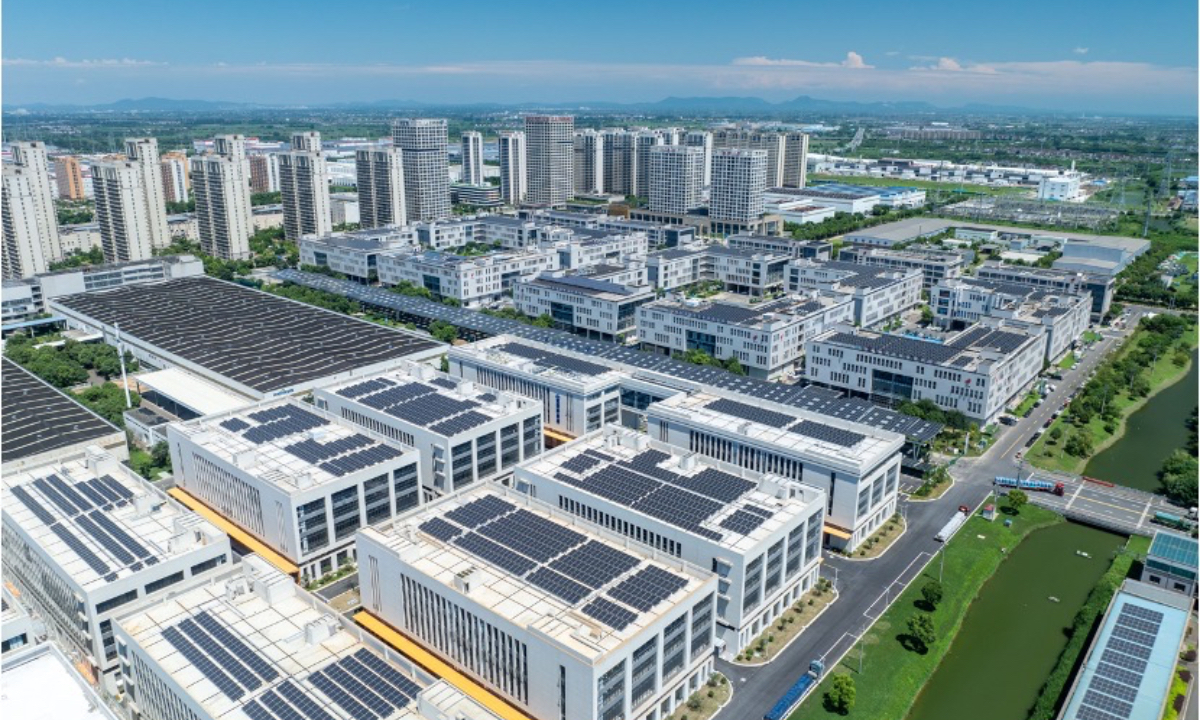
(690, 105)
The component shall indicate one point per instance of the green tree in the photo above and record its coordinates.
(543, 321)
(932, 593)
(926, 314)
(734, 366)
(160, 455)
(840, 696)
(1079, 444)
(1179, 478)
(1056, 433)
(443, 331)
(1017, 500)
(445, 364)
(920, 629)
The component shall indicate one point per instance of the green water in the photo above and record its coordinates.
(1151, 435)
(1013, 633)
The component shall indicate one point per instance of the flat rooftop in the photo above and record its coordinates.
(38, 418)
(1036, 272)
(758, 316)
(289, 444)
(258, 340)
(373, 239)
(1131, 663)
(852, 275)
(540, 568)
(202, 396)
(40, 683)
(254, 646)
(917, 253)
(963, 351)
(98, 525)
(444, 404)
(722, 503)
(600, 289)
(538, 361)
(1175, 549)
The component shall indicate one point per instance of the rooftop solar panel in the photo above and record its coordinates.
(39, 418)
(609, 613)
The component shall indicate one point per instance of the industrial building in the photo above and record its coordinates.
(1171, 563)
(976, 372)
(472, 281)
(583, 305)
(296, 479)
(1099, 254)
(85, 539)
(766, 338)
(251, 644)
(1100, 287)
(464, 432)
(250, 341)
(25, 675)
(356, 253)
(759, 532)
(935, 265)
(879, 293)
(619, 629)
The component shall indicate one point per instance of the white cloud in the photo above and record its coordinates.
(61, 62)
(1080, 51)
(853, 60)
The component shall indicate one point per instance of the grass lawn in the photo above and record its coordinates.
(705, 702)
(790, 624)
(1091, 336)
(1026, 405)
(893, 676)
(1067, 362)
(1049, 456)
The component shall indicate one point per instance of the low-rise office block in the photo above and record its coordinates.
(879, 294)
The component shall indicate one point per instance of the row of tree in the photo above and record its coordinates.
(696, 356)
(68, 364)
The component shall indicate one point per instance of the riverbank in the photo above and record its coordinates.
(1052, 455)
(1051, 695)
(892, 676)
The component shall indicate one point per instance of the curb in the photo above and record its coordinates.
(836, 595)
(914, 499)
(728, 699)
(885, 550)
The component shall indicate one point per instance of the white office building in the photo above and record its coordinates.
(739, 180)
(602, 249)
(473, 281)
(590, 625)
(31, 239)
(586, 306)
(551, 158)
(676, 178)
(423, 150)
(856, 467)
(576, 396)
(935, 265)
(703, 140)
(380, 188)
(465, 432)
(803, 249)
(879, 293)
(760, 533)
(472, 157)
(221, 181)
(86, 540)
(589, 162)
(356, 254)
(304, 187)
(1063, 187)
(251, 644)
(976, 372)
(295, 478)
(766, 338)
(1060, 281)
(513, 173)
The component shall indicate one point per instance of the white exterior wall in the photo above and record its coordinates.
(126, 228)
(225, 220)
(473, 281)
(423, 146)
(738, 183)
(589, 162)
(676, 178)
(513, 178)
(143, 152)
(551, 158)
(31, 239)
(472, 158)
(380, 188)
(592, 314)
(304, 186)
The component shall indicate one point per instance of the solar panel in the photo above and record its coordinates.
(1112, 672)
(532, 535)
(277, 705)
(389, 692)
(441, 529)
(215, 674)
(120, 490)
(1134, 636)
(1146, 626)
(359, 691)
(1107, 704)
(83, 551)
(609, 613)
(1123, 661)
(235, 424)
(647, 588)
(34, 505)
(1090, 713)
(1136, 650)
(1117, 690)
(742, 522)
(387, 672)
(579, 464)
(120, 553)
(495, 554)
(256, 711)
(120, 535)
(827, 433)
(1142, 613)
(750, 412)
(251, 657)
(100, 488)
(220, 655)
(77, 499)
(460, 423)
(717, 484)
(557, 584)
(339, 696)
(64, 506)
(594, 564)
(477, 512)
(95, 496)
(306, 705)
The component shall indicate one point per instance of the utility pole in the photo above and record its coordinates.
(121, 358)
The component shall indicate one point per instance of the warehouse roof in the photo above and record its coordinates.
(38, 418)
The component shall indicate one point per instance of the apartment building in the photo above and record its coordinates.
(176, 181)
(127, 229)
(298, 479)
(855, 467)
(304, 188)
(703, 140)
(645, 141)
(1100, 287)
(423, 151)
(86, 540)
(760, 534)
(143, 153)
(595, 308)
(935, 265)
(264, 172)
(221, 180)
(620, 162)
(589, 162)
(879, 293)
(576, 396)
(772, 144)
(551, 159)
(592, 627)
(513, 174)
(471, 145)
(676, 178)
(464, 432)
(976, 372)
(767, 338)
(795, 160)
(738, 183)
(30, 223)
(68, 176)
(473, 281)
(356, 254)
(380, 188)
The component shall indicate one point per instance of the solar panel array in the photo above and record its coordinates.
(1113, 688)
(421, 404)
(820, 400)
(827, 433)
(38, 418)
(552, 557)
(742, 522)
(750, 412)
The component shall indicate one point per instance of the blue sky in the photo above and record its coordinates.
(1056, 54)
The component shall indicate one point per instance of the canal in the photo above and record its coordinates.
(1151, 435)
(1013, 633)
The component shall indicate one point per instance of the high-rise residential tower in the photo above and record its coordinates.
(646, 141)
(513, 176)
(472, 158)
(126, 224)
(422, 143)
(30, 225)
(620, 162)
(221, 182)
(795, 160)
(676, 178)
(589, 162)
(380, 187)
(739, 181)
(69, 178)
(175, 176)
(772, 143)
(551, 158)
(702, 139)
(143, 152)
(304, 187)
(264, 173)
